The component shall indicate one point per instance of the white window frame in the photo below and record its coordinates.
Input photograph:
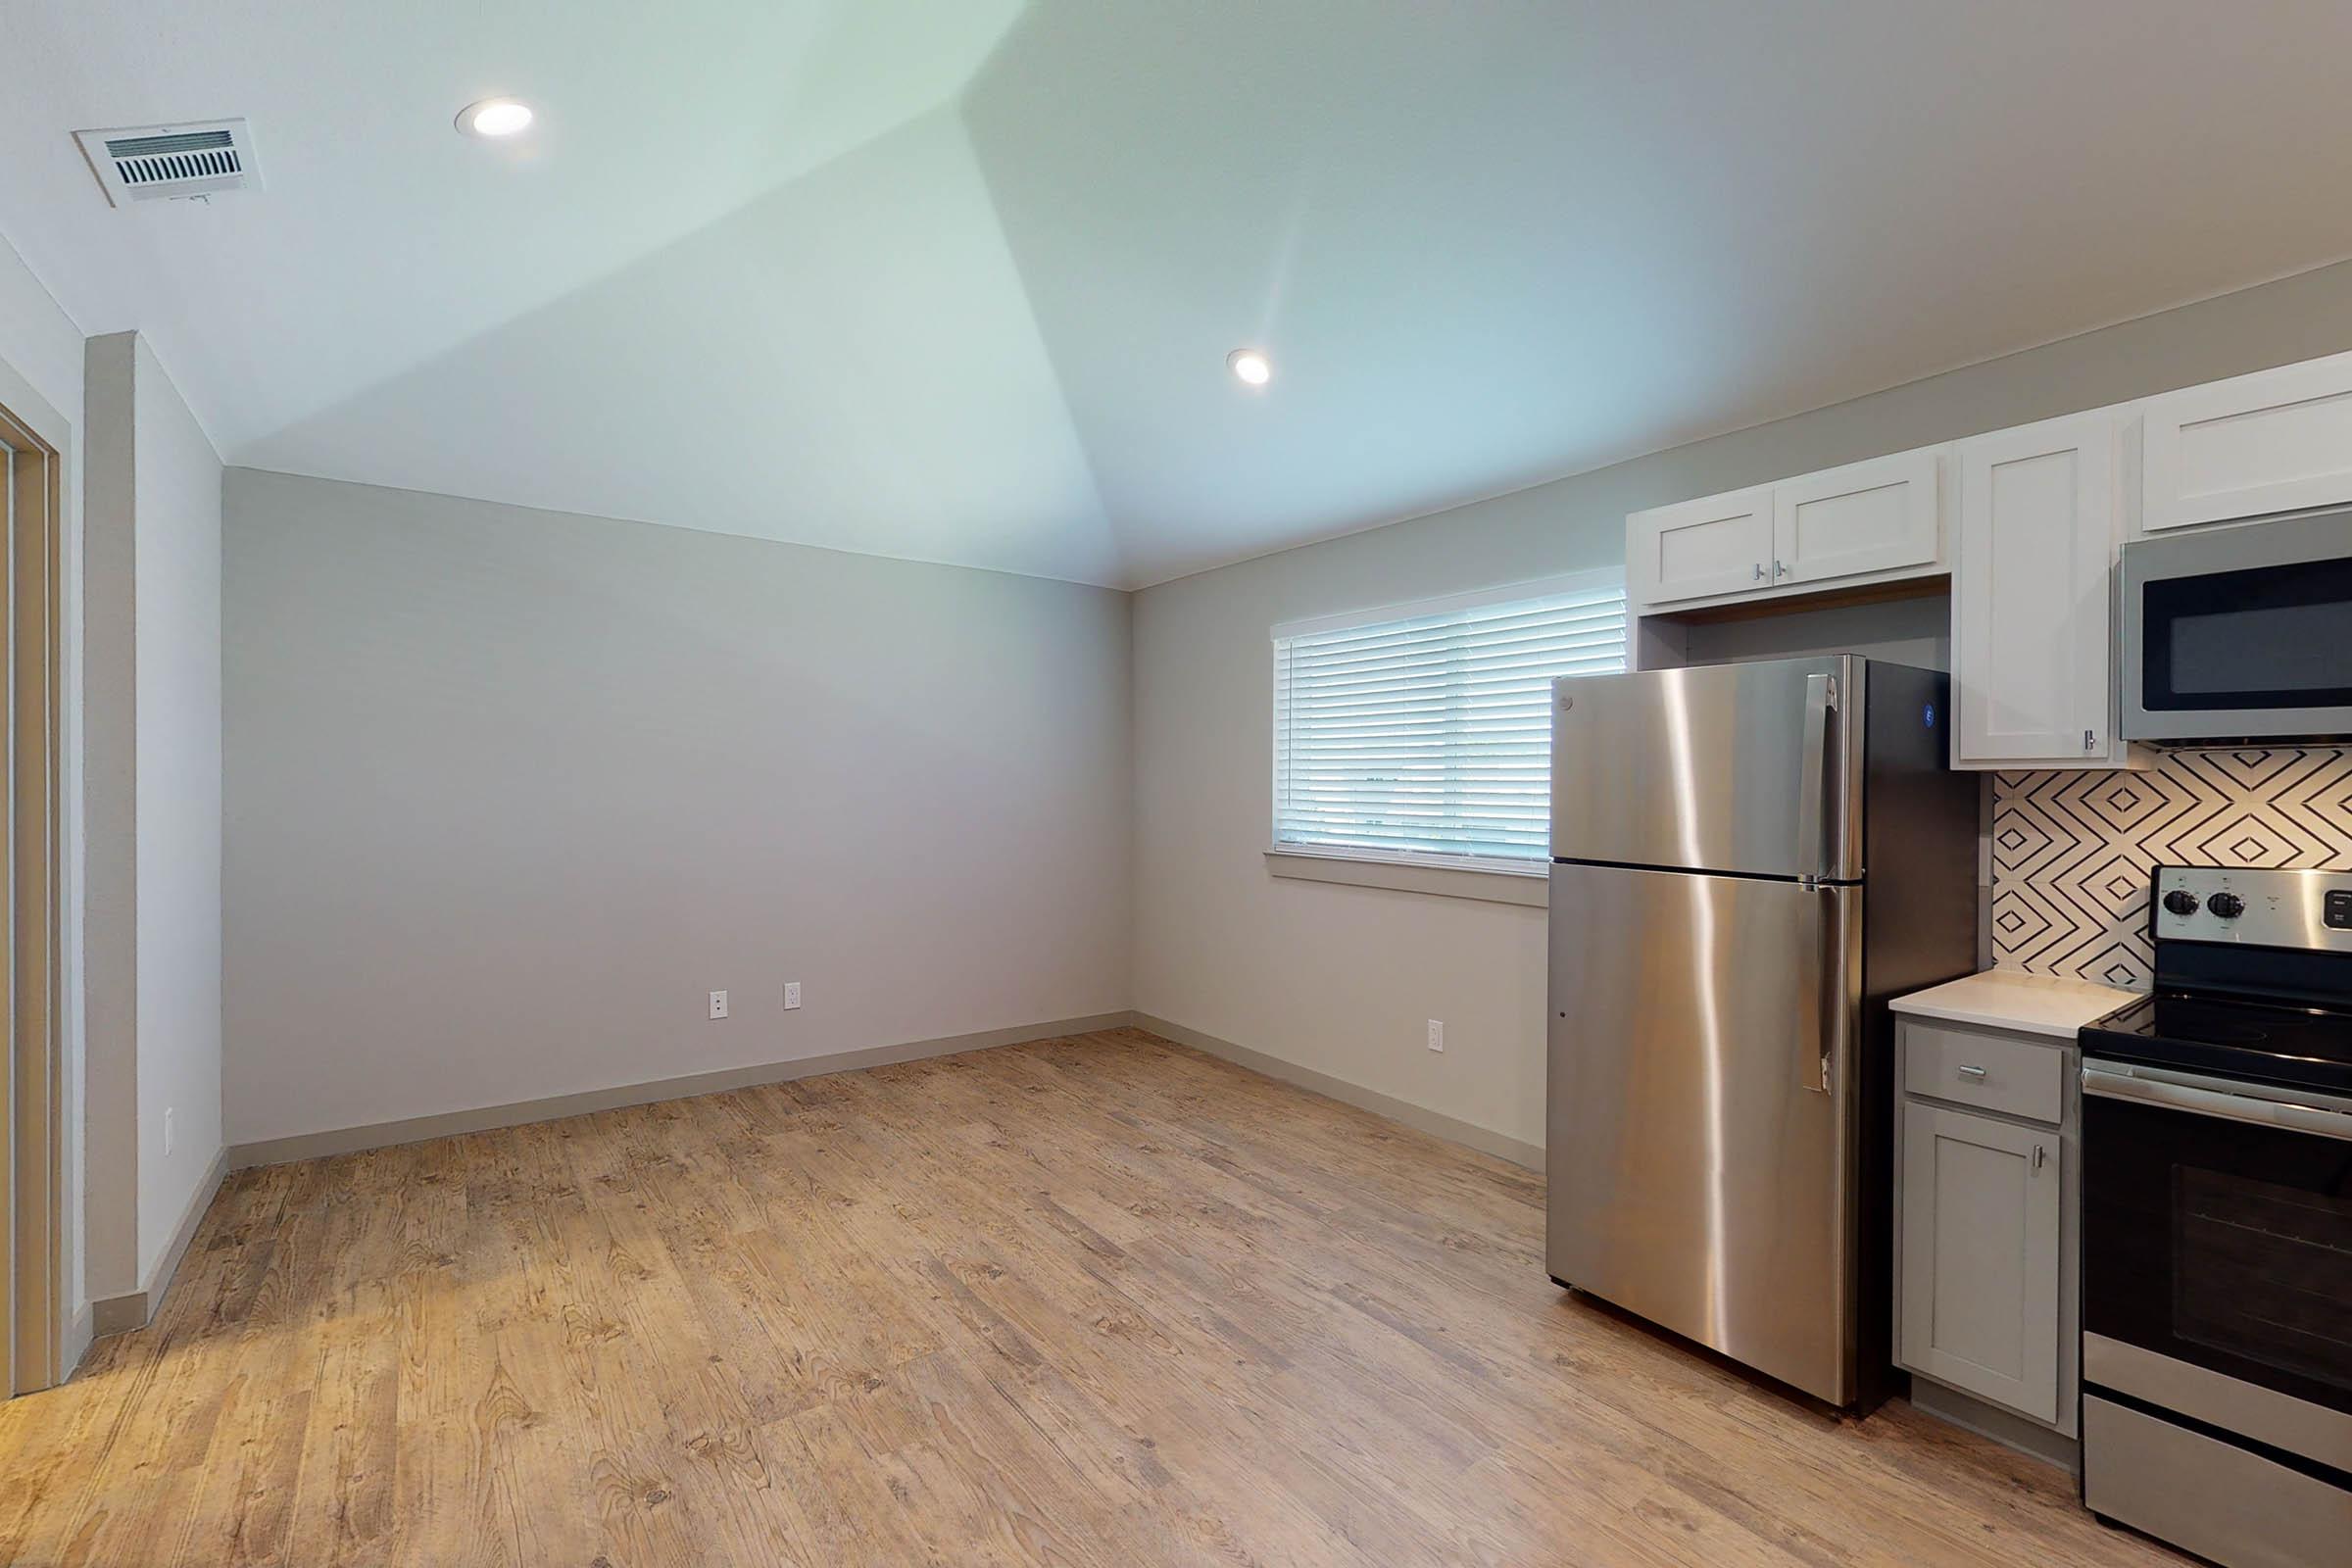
(1495, 878)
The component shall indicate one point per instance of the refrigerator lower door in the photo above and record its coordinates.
(1702, 1129)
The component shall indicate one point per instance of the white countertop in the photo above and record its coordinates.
(2010, 999)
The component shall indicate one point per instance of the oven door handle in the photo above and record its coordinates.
(2218, 1102)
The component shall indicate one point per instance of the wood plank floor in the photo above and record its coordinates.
(1099, 1300)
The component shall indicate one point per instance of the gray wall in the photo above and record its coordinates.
(509, 791)
(153, 728)
(1340, 979)
(178, 660)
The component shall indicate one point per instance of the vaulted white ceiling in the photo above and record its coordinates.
(955, 280)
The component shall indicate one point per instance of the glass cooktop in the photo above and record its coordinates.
(2266, 1042)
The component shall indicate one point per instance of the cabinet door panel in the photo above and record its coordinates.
(1981, 1210)
(1878, 516)
(1698, 549)
(2032, 593)
(2276, 441)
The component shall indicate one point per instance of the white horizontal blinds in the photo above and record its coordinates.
(1431, 734)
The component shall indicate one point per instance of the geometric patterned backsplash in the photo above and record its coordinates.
(2071, 851)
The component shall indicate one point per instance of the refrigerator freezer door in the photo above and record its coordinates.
(1751, 769)
(1703, 1121)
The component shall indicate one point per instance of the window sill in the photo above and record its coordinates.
(1492, 884)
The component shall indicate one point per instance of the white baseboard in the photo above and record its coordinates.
(487, 1118)
(1438, 1124)
(1990, 1421)
(80, 1329)
(119, 1314)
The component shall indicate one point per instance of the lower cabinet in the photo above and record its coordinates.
(1980, 1239)
(1987, 1210)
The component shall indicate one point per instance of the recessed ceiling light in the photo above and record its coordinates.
(495, 118)
(1251, 366)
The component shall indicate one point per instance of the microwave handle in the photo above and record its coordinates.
(2199, 1100)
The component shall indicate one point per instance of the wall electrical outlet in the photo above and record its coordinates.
(718, 1003)
(168, 1138)
(1437, 1035)
(792, 994)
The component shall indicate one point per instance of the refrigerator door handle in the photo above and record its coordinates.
(1821, 703)
(1820, 984)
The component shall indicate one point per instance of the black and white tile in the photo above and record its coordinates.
(2071, 851)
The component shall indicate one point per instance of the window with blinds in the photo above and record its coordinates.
(1424, 731)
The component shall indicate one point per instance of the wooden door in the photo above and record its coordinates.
(30, 1088)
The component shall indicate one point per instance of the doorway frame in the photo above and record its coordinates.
(33, 1088)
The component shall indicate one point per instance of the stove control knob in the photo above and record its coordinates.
(2228, 905)
(2180, 902)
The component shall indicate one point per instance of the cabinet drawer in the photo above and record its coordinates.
(1994, 1073)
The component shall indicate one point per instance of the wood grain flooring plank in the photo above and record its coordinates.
(1102, 1301)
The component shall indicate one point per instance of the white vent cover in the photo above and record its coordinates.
(166, 163)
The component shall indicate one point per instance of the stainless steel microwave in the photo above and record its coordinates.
(2240, 634)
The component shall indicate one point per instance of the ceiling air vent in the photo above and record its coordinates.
(167, 163)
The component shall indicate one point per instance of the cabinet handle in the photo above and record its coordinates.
(2090, 740)
(1976, 1074)
(2039, 1155)
(1759, 571)
(1780, 568)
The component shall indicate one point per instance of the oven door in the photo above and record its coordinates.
(2239, 632)
(2217, 1256)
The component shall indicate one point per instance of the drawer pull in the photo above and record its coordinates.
(1975, 1073)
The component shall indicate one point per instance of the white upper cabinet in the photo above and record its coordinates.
(1873, 516)
(1865, 523)
(2032, 650)
(2036, 519)
(2276, 441)
(1701, 549)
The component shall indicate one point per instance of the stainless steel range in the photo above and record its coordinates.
(2217, 1229)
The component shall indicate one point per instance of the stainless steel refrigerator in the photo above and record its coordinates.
(1747, 861)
